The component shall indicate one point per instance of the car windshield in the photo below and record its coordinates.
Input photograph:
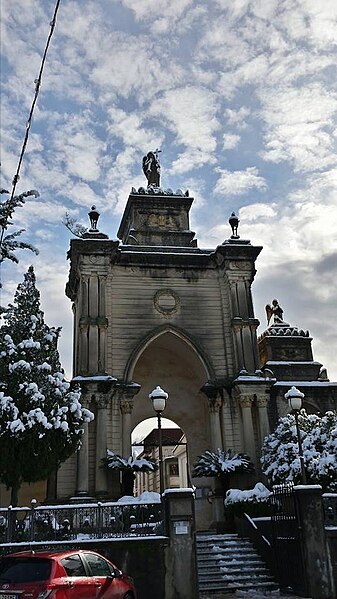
(24, 569)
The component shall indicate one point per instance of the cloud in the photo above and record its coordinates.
(230, 141)
(191, 114)
(130, 128)
(237, 117)
(238, 182)
(299, 126)
(162, 15)
(127, 76)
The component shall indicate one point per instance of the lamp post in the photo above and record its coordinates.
(158, 397)
(295, 399)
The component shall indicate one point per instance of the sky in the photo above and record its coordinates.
(240, 96)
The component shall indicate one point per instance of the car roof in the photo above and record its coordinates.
(49, 554)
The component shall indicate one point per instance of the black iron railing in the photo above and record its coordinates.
(80, 522)
(287, 539)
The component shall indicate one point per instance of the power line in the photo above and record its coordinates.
(37, 89)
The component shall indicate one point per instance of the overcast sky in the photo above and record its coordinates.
(241, 97)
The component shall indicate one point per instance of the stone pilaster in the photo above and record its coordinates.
(246, 403)
(264, 428)
(215, 399)
(82, 478)
(126, 393)
(126, 407)
(102, 402)
(97, 390)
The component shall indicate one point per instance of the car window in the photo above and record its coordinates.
(98, 565)
(24, 569)
(73, 565)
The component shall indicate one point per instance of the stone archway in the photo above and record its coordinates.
(172, 362)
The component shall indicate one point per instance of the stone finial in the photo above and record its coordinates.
(234, 223)
(93, 217)
(275, 311)
(151, 168)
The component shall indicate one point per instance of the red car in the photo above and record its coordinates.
(64, 575)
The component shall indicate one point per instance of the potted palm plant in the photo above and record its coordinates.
(128, 467)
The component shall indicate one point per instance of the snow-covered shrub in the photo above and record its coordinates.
(221, 464)
(41, 418)
(254, 502)
(128, 467)
(280, 458)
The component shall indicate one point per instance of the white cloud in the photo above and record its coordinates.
(126, 76)
(130, 128)
(163, 14)
(298, 126)
(230, 141)
(191, 113)
(237, 117)
(191, 159)
(78, 147)
(238, 182)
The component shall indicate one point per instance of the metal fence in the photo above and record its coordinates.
(80, 522)
(287, 539)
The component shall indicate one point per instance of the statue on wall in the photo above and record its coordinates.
(274, 309)
(151, 168)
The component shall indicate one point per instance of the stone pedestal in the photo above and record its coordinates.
(181, 564)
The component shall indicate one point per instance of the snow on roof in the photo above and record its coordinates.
(99, 377)
(316, 383)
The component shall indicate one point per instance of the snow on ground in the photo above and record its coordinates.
(253, 594)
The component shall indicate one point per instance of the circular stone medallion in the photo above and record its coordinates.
(166, 301)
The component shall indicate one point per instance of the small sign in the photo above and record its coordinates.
(181, 528)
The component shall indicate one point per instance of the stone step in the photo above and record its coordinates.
(222, 586)
(227, 563)
(239, 574)
(204, 570)
(230, 563)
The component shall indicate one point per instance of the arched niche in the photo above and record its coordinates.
(173, 363)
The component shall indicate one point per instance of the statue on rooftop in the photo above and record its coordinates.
(274, 309)
(151, 168)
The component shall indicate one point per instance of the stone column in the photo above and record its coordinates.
(125, 393)
(264, 427)
(84, 309)
(215, 405)
(82, 483)
(102, 401)
(102, 326)
(126, 406)
(215, 399)
(246, 402)
(83, 357)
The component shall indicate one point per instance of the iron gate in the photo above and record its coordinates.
(287, 540)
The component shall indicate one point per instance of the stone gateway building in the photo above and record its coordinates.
(155, 309)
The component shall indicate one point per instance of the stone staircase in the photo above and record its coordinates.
(227, 563)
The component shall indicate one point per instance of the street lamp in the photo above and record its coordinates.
(295, 399)
(158, 397)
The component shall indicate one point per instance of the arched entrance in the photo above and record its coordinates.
(145, 445)
(172, 362)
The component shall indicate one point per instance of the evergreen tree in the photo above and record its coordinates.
(280, 458)
(10, 243)
(40, 417)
